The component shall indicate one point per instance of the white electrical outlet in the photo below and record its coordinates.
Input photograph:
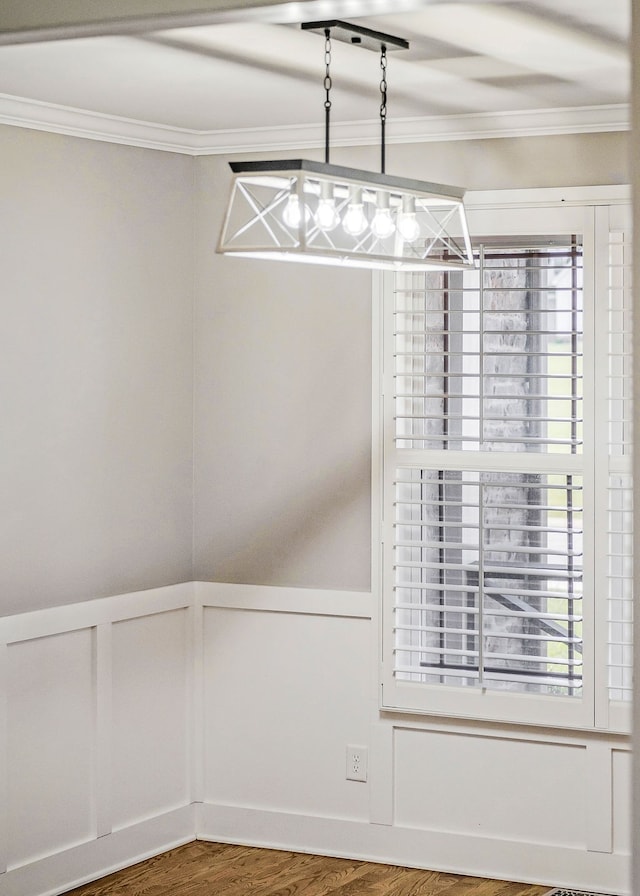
(357, 763)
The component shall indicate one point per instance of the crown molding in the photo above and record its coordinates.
(37, 115)
(56, 119)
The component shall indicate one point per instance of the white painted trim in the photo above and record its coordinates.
(428, 849)
(269, 598)
(86, 614)
(103, 728)
(85, 863)
(56, 119)
(4, 771)
(598, 396)
(599, 793)
(519, 123)
(572, 737)
(438, 459)
(195, 703)
(59, 119)
(381, 778)
(543, 197)
(620, 717)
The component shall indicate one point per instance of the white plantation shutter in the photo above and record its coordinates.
(620, 591)
(472, 556)
(491, 359)
(491, 574)
(619, 491)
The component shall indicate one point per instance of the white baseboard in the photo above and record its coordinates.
(89, 861)
(434, 850)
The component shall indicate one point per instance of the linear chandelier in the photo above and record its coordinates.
(319, 213)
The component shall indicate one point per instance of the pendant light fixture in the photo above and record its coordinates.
(298, 210)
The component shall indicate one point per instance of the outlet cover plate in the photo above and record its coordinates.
(357, 763)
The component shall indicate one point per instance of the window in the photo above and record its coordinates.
(498, 470)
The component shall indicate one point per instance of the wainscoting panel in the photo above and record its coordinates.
(94, 701)
(622, 793)
(284, 693)
(287, 684)
(150, 699)
(50, 745)
(134, 723)
(491, 787)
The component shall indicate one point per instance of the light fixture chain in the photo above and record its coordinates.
(327, 89)
(383, 106)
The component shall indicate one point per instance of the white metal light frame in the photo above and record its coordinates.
(315, 212)
(256, 224)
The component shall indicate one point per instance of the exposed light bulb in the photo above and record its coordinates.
(382, 224)
(355, 221)
(292, 214)
(408, 226)
(327, 216)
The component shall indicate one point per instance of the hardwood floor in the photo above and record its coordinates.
(217, 869)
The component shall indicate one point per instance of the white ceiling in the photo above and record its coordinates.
(556, 64)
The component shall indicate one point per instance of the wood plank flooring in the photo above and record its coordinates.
(217, 869)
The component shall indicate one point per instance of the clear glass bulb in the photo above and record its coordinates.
(292, 214)
(408, 226)
(327, 216)
(382, 224)
(355, 220)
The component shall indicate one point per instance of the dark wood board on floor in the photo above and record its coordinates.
(219, 869)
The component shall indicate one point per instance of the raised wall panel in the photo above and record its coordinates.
(50, 745)
(284, 694)
(150, 744)
(492, 787)
(622, 793)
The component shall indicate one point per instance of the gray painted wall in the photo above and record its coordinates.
(95, 369)
(283, 415)
(104, 249)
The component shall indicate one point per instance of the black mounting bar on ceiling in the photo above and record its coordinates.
(357, 36)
